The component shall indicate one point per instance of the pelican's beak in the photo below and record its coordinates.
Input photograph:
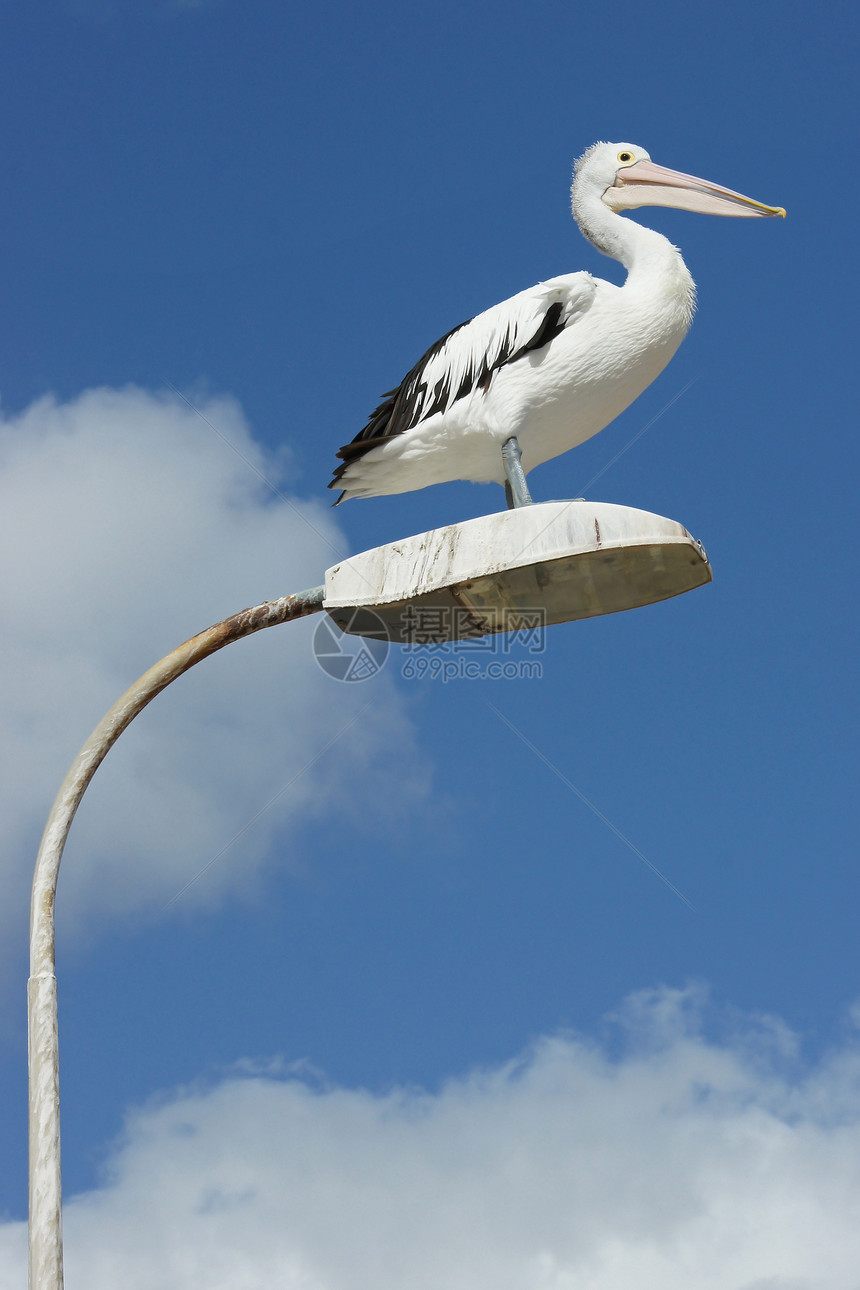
(646, 184)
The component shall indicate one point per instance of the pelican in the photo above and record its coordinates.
(542, 372)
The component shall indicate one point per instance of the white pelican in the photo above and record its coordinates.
(547, 369)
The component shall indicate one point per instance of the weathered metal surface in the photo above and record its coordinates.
(46, 1247)
(46, 1251)
(562, 560)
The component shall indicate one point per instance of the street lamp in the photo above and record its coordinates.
(559, 560)
(562, 560)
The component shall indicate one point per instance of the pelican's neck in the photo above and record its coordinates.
(656, 271)
(638, 249)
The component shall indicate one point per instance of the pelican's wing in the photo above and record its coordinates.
(466, 359)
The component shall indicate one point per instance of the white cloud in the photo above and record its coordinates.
(127, 527)
(683, 1163)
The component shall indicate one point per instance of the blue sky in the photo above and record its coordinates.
(276, 210)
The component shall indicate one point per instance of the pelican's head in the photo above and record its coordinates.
(625, 177)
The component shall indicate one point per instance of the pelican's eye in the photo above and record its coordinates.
(625, 157)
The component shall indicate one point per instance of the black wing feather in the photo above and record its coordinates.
(407, 405)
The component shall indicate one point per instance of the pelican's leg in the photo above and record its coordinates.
(516, 488)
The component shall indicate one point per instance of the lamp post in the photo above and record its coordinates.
(567, 560)
(45, 1214)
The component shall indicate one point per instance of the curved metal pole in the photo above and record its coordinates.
(46, 1233)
